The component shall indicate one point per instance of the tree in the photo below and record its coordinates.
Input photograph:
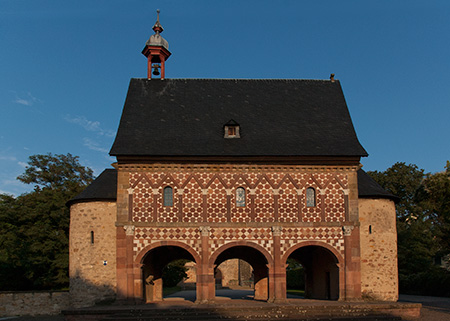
(403, 181)
(174, 272)
(34, 227)
(423, 222)
(56, 172)
(436, 199)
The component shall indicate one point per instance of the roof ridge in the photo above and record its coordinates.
(246, 79)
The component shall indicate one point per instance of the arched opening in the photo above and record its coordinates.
(295, 279)
(164, 263)
(259, 265)
(320, 272)
(234, 274)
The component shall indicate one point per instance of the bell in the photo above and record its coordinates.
(156, 71)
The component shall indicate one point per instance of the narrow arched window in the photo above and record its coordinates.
(92, 237)
(240, 197)
(310, 197)
(168, 196)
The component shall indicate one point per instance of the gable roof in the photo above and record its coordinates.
(104, 188)
(185, 117)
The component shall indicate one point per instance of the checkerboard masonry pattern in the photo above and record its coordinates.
(208, 196)
(290, 237)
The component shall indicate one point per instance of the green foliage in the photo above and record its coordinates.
(434, 281)
(174, 272)
(423, 224)
(403, 181)
(34, 227)
(295, 275)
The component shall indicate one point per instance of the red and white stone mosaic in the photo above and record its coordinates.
(148, 235)
(330, 235)
(210, 196)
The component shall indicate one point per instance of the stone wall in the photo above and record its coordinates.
(33, 303)
(379, 270)
(92, 252)
(230, 270)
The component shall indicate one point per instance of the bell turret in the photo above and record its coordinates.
(157, 51)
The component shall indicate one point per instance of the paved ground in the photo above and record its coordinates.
(434, 308)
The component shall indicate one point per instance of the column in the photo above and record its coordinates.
(205, 274)
(129, 238)
(352, 262)
(279, 271)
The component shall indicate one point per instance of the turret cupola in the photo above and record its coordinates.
(157, 52)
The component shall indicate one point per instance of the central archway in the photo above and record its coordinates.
(258, 258)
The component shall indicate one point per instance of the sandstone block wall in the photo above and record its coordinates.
(378, 233)
(33, 303)
(92, 252)
(230, 271)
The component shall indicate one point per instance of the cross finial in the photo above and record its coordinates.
(157, 27)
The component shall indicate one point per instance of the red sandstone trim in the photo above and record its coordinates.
(313, 243)
(227, 246)
(140, 257)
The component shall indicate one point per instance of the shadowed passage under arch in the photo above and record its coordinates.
(256, 259)
(321, 271)
(153, 264)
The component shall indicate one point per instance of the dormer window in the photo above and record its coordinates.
(231, 129)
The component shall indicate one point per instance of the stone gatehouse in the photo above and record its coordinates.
(210, 170)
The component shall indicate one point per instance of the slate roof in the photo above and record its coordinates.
(185, 117)
(369, 188)
(104, 188)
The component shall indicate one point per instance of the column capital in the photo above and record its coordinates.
(130, 190)
(129, 230)
(276, 230)
(347, 230)
(205, 230)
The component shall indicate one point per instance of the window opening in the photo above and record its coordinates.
(231, 131)
(240, 197)
(168, 196)
(310, 197)
(92, 237)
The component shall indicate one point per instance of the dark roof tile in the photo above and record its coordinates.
(369, 188)
(103, 188)
(185, 117)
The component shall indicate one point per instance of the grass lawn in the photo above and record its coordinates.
(169, 291)
(296, 292)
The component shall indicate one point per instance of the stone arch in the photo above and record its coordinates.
(153, 259)
(323, 266)
(313, 243)
(145, 250)
(259, 259)
(227, 246)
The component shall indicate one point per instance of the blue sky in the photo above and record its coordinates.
(65, 68)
